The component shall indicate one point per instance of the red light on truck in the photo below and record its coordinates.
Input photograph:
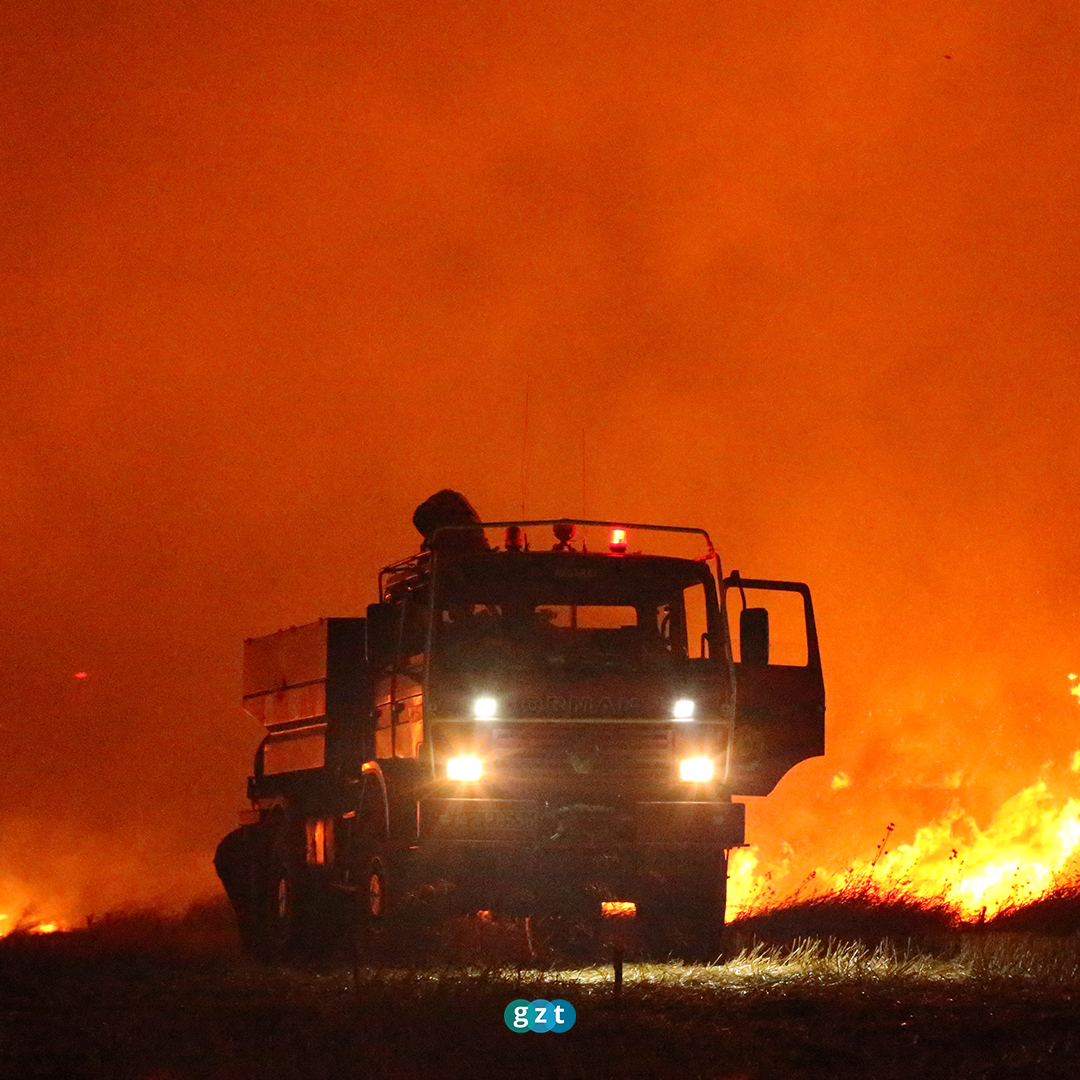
(617, 544)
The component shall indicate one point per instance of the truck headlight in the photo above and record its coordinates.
(484, 708)
(683, 709)
(697, 770)
(464, 768)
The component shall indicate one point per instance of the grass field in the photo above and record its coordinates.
(848, 987)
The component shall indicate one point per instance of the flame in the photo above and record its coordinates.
(1026, 850)
(1030, 846)
(24, 913)
(48, 928)
(9, 924)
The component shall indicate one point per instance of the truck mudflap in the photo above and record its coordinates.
(541, 827)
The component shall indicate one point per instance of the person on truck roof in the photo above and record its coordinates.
(449, 510)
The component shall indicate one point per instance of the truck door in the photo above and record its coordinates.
(779, 690)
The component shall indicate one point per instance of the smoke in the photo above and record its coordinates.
(274, 273)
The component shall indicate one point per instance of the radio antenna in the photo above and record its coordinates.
(584, 542)
(524, 445)
(583, 514)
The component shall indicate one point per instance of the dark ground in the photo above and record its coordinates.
(141, 997)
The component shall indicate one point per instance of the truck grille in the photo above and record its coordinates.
(572, 751)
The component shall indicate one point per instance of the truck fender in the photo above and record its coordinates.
(374, 778)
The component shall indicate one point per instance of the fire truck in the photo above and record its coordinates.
(536, 718)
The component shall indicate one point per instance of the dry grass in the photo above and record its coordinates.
(142, 997)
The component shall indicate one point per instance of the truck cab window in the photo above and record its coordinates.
(516, 636)
(787, 625)
(588, 616)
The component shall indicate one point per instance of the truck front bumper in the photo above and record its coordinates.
(518, 822)
(518, 854)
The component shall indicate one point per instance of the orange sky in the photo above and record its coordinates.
(805, 275)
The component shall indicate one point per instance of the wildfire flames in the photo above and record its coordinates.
(1018, 857)
(29, 925)
(1028, 848)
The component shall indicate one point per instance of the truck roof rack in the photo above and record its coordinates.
(584, 523)
(412, 569)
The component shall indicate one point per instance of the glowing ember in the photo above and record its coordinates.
(618, 908)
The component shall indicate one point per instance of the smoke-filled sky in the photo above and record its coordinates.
(802, 274)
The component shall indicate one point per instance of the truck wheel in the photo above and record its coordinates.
(702, 930)
(283, 916)
(688, 923)
(371, 925)
(295, 915)
(375, 899)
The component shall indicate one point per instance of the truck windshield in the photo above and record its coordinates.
(584, 620)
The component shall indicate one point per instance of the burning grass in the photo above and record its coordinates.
(860, 907)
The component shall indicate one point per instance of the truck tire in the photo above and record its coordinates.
(282, 912)
(295, 917)
(372, 925)
(702, 926)
(687, 923)
(375, 895)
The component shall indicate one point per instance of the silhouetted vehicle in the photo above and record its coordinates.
(520, 731)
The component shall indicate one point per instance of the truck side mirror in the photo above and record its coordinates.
(754, 636)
